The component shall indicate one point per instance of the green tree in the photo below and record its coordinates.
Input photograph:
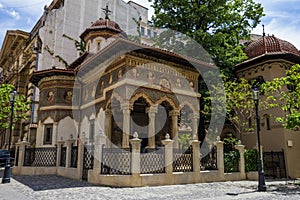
(20, 108)
(284, 93)
(217, 25)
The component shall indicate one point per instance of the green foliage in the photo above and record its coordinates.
(217, 25)
(285, 93)
(20, 108)
(231, 161)
(60, 59)
(136, 38)
(229, 143)
(184, 140)
(251, 160)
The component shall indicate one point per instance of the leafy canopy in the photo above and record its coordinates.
(20, 106)
(217, 25)
(284, 93)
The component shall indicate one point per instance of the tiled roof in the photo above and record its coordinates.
(103, 25)
(269, 45)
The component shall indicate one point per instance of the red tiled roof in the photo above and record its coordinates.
(269, 45)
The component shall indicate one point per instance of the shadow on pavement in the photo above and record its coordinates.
(38, 183)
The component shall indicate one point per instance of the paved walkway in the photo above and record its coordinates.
(54, 187)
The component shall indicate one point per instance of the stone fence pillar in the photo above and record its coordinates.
(136, 157)
(59, 143)
(81, 143)
(168, 143)
(241, 149)
(220, 156)
(196, 155)
(22, 148)
(100, 140)
(69, 143)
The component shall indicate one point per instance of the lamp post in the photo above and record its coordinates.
(261, 177)
(7, 170)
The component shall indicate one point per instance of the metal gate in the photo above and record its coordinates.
(88, 161)
(274, 165)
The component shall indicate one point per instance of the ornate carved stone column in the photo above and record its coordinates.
(108, 123)
(151, 127)
(195, 126)
(126, 124)
(174, 129)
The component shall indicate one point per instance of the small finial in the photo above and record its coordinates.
(167, 136)
(106, 12)
(218, 138)
(264, 34)
(239, 142)
(71, 136)
(135, 135)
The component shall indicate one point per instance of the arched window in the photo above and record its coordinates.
(267, 117)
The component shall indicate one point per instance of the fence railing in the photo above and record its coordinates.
(74, 156)
(153, 161)
(182, 160)
(209, 161)
(115, 161)
(40, 157)
(63, 156)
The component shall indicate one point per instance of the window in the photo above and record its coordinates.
(98, 45)
(154, 34)
(268, 122)
(149, 32)
(142, 31)
(92, 131)
(48, 134)
(250, 122)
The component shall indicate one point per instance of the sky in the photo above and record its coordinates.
(282, 17)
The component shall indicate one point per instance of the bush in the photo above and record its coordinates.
(251, 160)
(231, 161)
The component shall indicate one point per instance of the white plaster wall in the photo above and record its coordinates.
(72, 20)
(67, 127)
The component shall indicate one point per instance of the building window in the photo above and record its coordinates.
(48, 134)
(250, 123)
(142, 31)
(154, 34)
(98, 45)
(92, 131)
(268, 122)
(149, 32)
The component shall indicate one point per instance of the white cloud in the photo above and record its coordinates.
(1, 5)
(13, 14)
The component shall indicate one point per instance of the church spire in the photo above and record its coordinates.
(106, 12)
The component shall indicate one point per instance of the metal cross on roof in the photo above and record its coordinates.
(106, 11)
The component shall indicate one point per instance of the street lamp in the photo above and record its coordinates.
(261, 177)
(7, 170)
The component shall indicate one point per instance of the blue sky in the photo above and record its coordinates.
(282, 17)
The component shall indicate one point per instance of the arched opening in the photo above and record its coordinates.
(140, 120)
(185, 126)
(116, 122)
(163, 122)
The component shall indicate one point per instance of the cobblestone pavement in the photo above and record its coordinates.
(54, 187)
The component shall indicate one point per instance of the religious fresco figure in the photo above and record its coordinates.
(50, 97)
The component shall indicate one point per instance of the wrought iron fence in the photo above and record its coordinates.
(40, 157)
(74, 156)
(88, 160)
(116, 161)
(183, 160)
(63, 156)
(209, 162)
(153, 161)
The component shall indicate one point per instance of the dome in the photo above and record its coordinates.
(105, 24)
(269, 45)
